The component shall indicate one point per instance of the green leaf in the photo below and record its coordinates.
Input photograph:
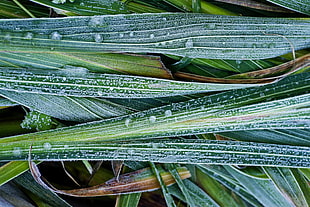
(191, 151)
(81, 83)
(68, 108)
(263, 190)
(96, 62)
(302, 6)
(288, 185)
(169, 200)
(11, 170)
(6, 102)
(281, 136)
(128, 200)
(82, 7)
(191, 35)
(201, 198)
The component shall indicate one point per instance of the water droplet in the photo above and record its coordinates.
(131, 34)
(95, 21)
(164, 19)
(47, 146)
(17, 151)
(7, 37)
(189, 43)
(151, 36)
(152, 119)
(98, 38)
(56, 36)
(66, 146)
(82, 4)
(29, 36)
(168, 113)
(211, 26)
(99, 93)
(127, 121)
(272, 45)
(121, 35)
(238, 62)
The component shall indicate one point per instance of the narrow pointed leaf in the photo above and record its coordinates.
(302, 6)
(81, 83)
(11, 170)
(165, 151)
(96, 62)
(128, 200)
(67, 108)
(191, 35)
(263, 190)
(286, 182)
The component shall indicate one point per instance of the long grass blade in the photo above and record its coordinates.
(79, 82)
(190, 35)
(302, 6)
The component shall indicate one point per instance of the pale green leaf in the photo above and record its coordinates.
(79, 82)
(285, 180)
(191, 35)
(302, 6)
(128, 200)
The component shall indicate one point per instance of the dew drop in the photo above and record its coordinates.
(82, 4)
(152, 119)
(7, 37)
(47, 146)
(17, 151)
(272, 45)
(189, 43)
(238, 62)
(121, 35)
(99, 93)
(131, 34)
(151, 36)
(29, 36)
(164, 19)
(56, 36)
(127, 121)
(168, 113)
(98, 38)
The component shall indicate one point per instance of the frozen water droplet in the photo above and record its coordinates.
(168, 113)
(52, 48)
(189, 43)
(7, 37)
(121, 35)
(238, 62)
(99, 93)
(66, 146)
(127, 121)
(151, 36)
(82, 4)
(131, 34)
(29, 36)
(98, 38)
(272, 45)
(164, 19)
(152, 119)
(261, 94)
(47, 146)
(56, 36)
(17, 151)
(211, 26)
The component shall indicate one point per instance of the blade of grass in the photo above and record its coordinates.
(263, 190)
(215, 113)
(191, 35)
(288, 185)
(96, 62)
(191, 151)
(67, 108)
(80, 7)
(201, 198)
(299, 137)
(302, 6)
(80, 83)
(129, 200)
(169, 200)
